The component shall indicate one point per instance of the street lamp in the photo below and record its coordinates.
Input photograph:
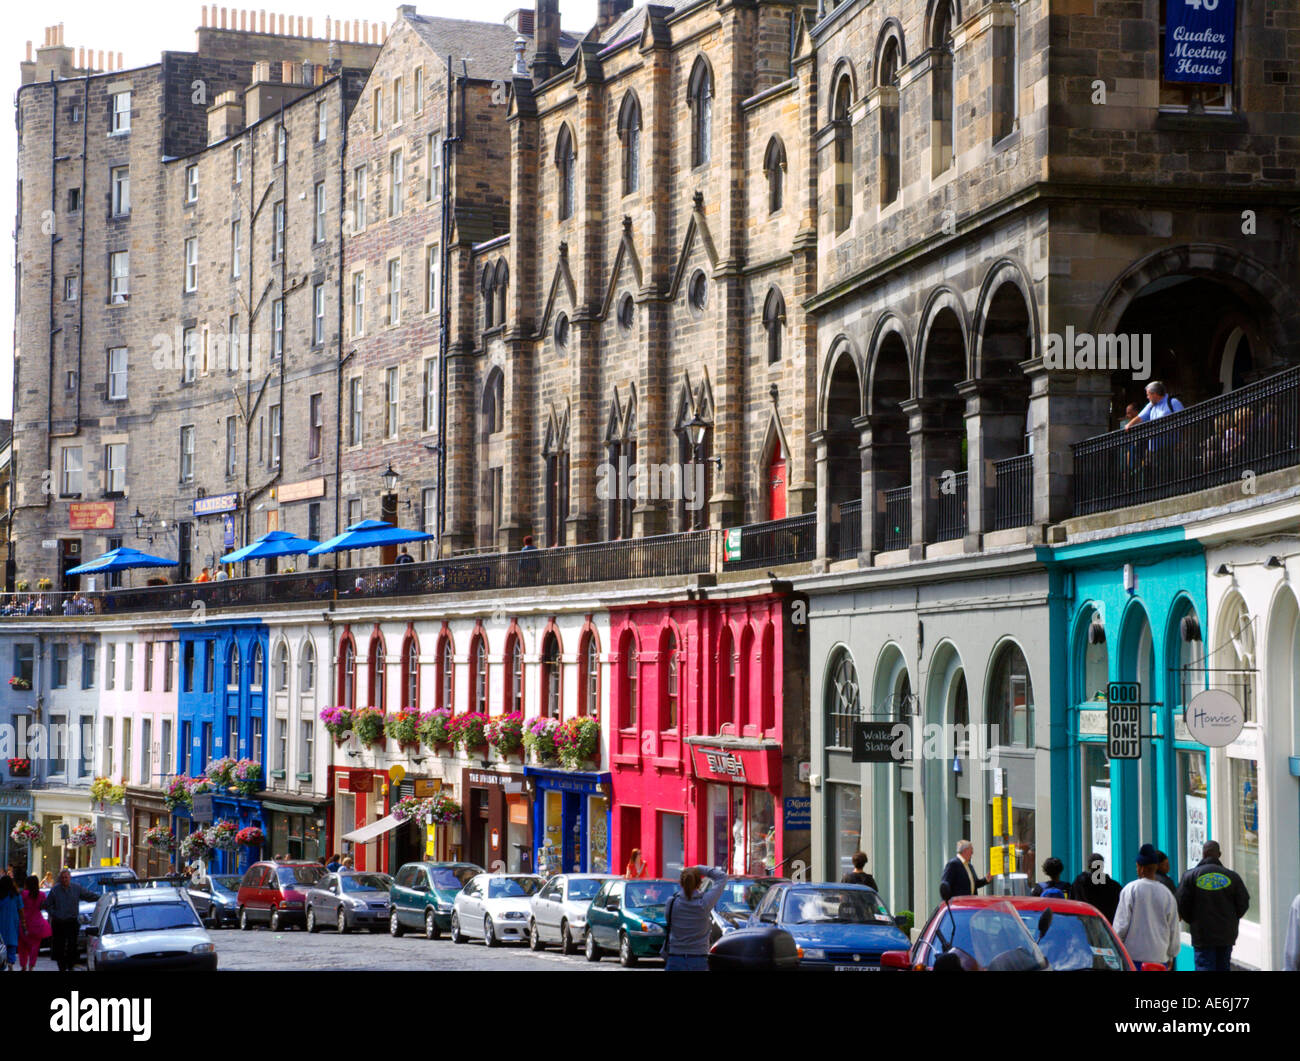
(390, 478)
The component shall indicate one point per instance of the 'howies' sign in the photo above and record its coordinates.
(723, 763)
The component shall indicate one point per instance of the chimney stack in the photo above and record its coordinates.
(546, 59)
(609, 11)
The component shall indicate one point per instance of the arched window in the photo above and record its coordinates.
(767, 679)
(478, 668)
(410, 672)
(348, 673)
(726, 663)
(843, 701)
(746, 712)
(1235, 669)
(307, 668)
(589, 662)
(629, 132)
(259, 666)
(774, 324)
(281, 668)
(941, 91)
(232, 666)
(774, 168)
(1011, 700)
(494, 406)
(378, 697)
(840, 117)
(551, 676)
(672, 682)
(501, 281)
(486, 286)
(890, 124)
(514, 674)
(700, 97)
(630, 668)
(566, 165)
(446, 676)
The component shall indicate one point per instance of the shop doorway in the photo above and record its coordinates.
(479, 815)
(69, 557)
(629, 835)
(776, 486)
(742, 829)
(672, 844)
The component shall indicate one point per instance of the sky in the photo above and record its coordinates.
(155, 27)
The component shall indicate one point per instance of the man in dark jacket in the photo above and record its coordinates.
(1094, 885)
(958, 874)
(860, 874)
(63, 904)
(1162, 873)
(1213, 900)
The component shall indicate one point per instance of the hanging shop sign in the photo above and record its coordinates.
(92, 515)
(1214, 718)
(216, 504)
(1199, 41)
(1124, 720)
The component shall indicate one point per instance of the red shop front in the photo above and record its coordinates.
(736, 793)
(360, 800)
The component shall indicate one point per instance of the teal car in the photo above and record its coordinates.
(628, 917)
(422, 894)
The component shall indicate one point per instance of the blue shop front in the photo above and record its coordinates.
(221, 713)
(572, 816)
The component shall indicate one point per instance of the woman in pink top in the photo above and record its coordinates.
(636, 866)
(33, 927)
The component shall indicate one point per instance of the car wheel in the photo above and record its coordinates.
(534, 937)
(244, 923)
(342, 923)
(489, 933)
(275, 919)
(394, 926)
(456, 935)
(567, 946)
(590, 947)
(312, 925)
(431, 929)
(625, 956)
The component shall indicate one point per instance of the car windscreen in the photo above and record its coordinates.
(152, 917)
(365, 882)
(839, 906)
(226, 883)
(649, 894)
(445, 878)
(1073, 942)
(742, 896)
(511, 887)
(583, 889)
(300, 874)
(987, 934)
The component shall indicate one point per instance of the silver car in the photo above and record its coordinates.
(349, 900)
(148, 929)
(494, 907)
(559, 910)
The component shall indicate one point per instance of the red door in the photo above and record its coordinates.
(776, 487)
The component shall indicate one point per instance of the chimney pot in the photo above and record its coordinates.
(120, 65)
(103, 64)
(204, 21)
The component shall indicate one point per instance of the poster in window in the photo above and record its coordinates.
(1100, 810)
(1197, 832)
(1199, 41)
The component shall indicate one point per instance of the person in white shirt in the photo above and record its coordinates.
(1147, 917)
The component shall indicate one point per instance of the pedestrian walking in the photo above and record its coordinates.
(34, 927)
(636, 866)
(1096, 887)
(686, 940)
(62, 903)
(333, 864)
(1053, 887)
(11, 917)
(1213, 900)
(859, 875)
(1291, 950)
(1147, 918)
(958, 874)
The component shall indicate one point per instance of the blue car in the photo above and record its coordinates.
(845, 927)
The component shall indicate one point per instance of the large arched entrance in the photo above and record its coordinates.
(889, 457)
(1001, 392)
(938, 424)
(948, 790)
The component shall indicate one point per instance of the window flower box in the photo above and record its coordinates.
(469, 731)
(505, 733)
(436, 729)
(539, 739)
(368, 722)
(338, 721)
(20, 768)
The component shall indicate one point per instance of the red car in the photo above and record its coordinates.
(276, 892)
(1078, 937)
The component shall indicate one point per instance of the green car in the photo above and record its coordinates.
(422, 894)
(628, 916)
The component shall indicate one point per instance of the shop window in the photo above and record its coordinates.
(1243, 851)
(843, 701)
(1011, 700)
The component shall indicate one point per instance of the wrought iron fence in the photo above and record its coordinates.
(1248, 432)
(849, 541)
(1013, 504)
(780, 541)
(952, 509)
(897, 530)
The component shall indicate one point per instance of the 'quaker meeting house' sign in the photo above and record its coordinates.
(1198, 40)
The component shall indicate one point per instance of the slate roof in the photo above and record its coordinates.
(490, 46)
(632, 22)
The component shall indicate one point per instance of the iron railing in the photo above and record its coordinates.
(897, 529)
(1252, 430)
(1013, 504)
(848, 542)
(780, 541)
(952, 509)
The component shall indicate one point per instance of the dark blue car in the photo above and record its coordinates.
(845, 927)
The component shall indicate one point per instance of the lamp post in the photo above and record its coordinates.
(696, 430)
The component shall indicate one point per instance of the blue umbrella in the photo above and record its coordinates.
(273, 543)
(120, 560)
(369, 534)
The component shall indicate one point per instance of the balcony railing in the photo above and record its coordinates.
(952, 509)
(897, 532)
(780, 541)
(848, 542)
(1255, 429)
(1014, 499)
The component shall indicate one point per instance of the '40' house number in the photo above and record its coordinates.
(725, 763)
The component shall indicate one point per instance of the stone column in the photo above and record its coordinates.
(1064, 407)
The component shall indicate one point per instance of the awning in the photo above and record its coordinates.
(368, 832)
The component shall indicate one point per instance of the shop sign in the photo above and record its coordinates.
(216, 504)
(92, 515)
(427, 786)
(873, 742)
(227, 531)
(361, 781)
(201, 811)
(1124, 720)
(1214, 718)
(478, 778)
(722, 763)
(302, 491)
(1199, 41)
(731, 544)
(797, 812)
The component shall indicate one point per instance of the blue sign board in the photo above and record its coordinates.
(798, 812)
(1199, 41)
(218, 503)
(228, 531)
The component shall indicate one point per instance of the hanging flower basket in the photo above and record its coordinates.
(435, 727)
(25, 833)
(178, 793)
(369, 725)
(439, 809)
(505, 733)
(407, 807)
(195, 846)
(250, 836)
(578, 741)
(102, 790)
(221, 772)
(221, 836)
(404, 727)
(470, 730)
(17, 682)
(160, 838)
(338, 720)
(247, 776)
(539, 739)
(198, 785)
(82, 836)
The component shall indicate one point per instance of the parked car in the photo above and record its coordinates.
(494, 906)
(978, 933)
(215, 899)
(628, 917)
(100, 879)
(349, 900)
(422, 894)
(559, 910)
(148, 930)
(1078, 938)
(844, 927)
(276, 892)
(740, 898)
